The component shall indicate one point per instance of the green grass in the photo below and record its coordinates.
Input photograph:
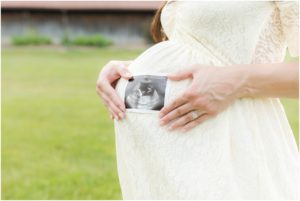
(58, 141)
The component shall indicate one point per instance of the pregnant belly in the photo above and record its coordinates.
(162, 59)
(169, 56)
(144, 148)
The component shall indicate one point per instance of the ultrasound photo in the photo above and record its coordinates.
(146, 92)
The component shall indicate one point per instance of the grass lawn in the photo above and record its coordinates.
(58, 141)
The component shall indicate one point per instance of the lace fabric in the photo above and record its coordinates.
(247, 151)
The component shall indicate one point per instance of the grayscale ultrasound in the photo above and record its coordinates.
(146, 92)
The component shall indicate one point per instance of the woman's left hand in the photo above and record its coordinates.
(211, 91)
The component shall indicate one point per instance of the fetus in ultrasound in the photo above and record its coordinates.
(146, 92)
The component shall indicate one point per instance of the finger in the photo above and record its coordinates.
(106, 104)
(178, 112)
(196, 122)
(110, 92)
(174, 104)
(182, 121)
(111, 113)
(118, 114)
(123, 71)
(181, 75)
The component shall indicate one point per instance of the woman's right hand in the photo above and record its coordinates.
(107, 79)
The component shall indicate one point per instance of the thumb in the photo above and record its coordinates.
(181, 75)
(124, 72)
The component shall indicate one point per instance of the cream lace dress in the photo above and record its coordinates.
(247, 151)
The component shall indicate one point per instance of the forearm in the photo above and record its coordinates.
(270, 80)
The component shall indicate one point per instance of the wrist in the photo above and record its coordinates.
(244, 80)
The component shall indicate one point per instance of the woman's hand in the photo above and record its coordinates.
(215, 88)
(106, 82)
(211, 91)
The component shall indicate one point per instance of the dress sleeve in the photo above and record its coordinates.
(289, 17)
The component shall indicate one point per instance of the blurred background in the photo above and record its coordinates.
(57, 138)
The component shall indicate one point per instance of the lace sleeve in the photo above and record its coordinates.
(289, 16)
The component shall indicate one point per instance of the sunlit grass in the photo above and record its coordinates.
(58, 142)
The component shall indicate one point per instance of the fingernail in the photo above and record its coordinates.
(121, 115)
(111, 116)
(117, 118)
(162, 123)
(160, 115)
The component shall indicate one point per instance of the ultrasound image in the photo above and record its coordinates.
(146, 92)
